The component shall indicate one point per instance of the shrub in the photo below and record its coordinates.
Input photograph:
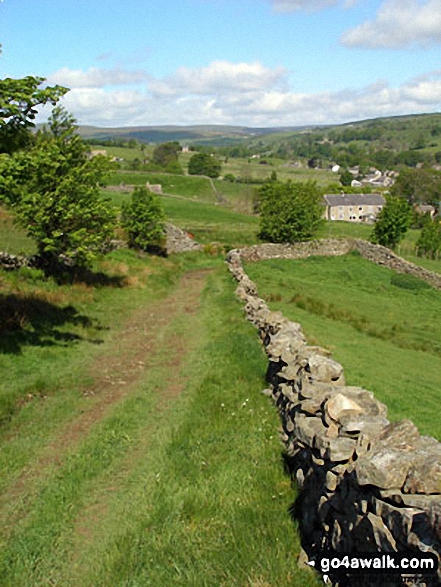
(290, 211)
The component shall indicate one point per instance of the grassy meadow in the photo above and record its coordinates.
(382, 327)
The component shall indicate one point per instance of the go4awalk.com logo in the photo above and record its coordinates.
(335, 566)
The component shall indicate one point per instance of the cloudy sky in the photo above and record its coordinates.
(241, 62)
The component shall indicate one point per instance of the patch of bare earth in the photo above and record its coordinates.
(117, 370)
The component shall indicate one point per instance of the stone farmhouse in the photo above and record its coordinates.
(353, 207)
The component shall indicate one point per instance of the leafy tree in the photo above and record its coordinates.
(418, 186)
(143, 218)
(166, 153)
(290, 211)
(54, 189)
(429, 242)
(19, 101)
(392, 222)
(204, 164)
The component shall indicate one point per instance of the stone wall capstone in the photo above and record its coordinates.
(365, 484)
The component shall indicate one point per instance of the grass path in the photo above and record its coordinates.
(171, 474)
(117, 369)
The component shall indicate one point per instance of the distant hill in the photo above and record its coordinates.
(208, 134)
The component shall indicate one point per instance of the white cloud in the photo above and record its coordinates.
(95, 77)
(308, 5)
(244, 94)
(220, 77)
(399, 24)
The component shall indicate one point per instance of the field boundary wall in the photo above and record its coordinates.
(365, 484)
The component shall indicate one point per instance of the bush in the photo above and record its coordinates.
(143, 218)
(290, 211)
(204, 164)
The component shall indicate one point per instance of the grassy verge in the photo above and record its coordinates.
(382, 328)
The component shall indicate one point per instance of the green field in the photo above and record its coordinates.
(383, 328)
(196, 188)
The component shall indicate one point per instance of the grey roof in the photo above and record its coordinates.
(354, 200)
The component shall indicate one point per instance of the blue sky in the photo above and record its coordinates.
(241, 62)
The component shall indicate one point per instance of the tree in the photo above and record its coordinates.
(166, 153)
(19, 101)
(54, 190)
(143, 218)
(346, 178)
(392, 222)
(290, 211)
(418, 186)
(429, 242)
(204, 164)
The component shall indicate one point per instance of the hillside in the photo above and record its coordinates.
(385, 143)
(208, 134)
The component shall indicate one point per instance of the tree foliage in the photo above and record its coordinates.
(19, 101)
(54, 190)
(418, 186)
(143, 218)
(429, 242)
(166, 153)
(290, 211)
(346, 178)
(392, 222)
(204, 164)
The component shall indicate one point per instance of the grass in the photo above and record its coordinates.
(384, 332)
(48, 330)
(197, 188)
(13, 239)
(166, 490)
(208, 223)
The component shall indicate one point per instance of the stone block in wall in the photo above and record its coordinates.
(339, 406)
(307, 429)
(399, 520)
(372, 535)
(384, 467)
(321, 369)
(424, 475)
(337, 450)
(366, 428)
(400, 434)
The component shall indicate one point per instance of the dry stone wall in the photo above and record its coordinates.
(366, 484)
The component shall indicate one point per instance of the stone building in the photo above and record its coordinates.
(353, 207)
